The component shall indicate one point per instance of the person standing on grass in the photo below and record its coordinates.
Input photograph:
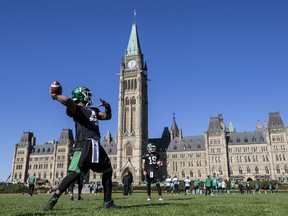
(168, 185)
(223, 185)
(175, 181)
(208, 185)
(219, 186)
(214, 184)
(196, 186)
(127, 181)
(88, 152)
(241, 187)
(233, 186)
(187, 184)
(31, 184)
(150, 164)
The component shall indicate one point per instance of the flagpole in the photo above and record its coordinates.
(134, 16)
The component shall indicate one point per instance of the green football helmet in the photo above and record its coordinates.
(82, 94)
(151, 147)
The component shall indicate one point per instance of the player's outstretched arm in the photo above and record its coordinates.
(66, 101)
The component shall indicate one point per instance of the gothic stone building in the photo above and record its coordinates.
(260, 154)
(48, 162)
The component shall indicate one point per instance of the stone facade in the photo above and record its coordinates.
(48, 162)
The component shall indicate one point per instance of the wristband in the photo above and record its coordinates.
(107, 109)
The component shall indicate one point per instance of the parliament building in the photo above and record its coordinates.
(221, 150)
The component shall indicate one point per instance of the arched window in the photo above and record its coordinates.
(240, 171)
(183, 174)
(129, 85)
(129, 150)
(256, 170)
(278, 170)
(220, 171)
(191, 173)
(266, 170)
(248, 170)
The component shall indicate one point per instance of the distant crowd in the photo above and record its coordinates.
(214, 186)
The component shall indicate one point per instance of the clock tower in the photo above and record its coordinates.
(132, 134)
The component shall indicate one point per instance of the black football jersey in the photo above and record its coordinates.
(151, 161)
(86, 123)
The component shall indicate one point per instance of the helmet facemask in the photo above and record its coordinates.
(151, 147)
(82, 94)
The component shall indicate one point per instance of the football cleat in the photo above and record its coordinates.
(109, 204)
(51, 203)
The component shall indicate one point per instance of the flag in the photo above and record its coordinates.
(134, 12)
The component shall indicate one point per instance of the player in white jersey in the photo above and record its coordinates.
(187, 184)
(168, 184)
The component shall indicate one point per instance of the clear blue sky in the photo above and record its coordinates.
(204, 57)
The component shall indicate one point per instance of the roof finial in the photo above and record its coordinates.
(134, 16)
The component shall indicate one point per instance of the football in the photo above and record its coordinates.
(56, 88)
(160, 163)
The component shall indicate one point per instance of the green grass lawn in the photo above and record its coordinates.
(237, 204)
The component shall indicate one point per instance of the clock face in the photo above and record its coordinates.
(132, 64)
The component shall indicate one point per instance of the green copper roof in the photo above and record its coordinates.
(134, 43)
(231, 127)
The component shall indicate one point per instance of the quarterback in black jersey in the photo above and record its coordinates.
(150, 163)
(88, 153)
